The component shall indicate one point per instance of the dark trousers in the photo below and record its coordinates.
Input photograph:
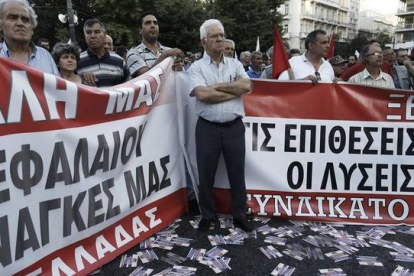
(212, 139)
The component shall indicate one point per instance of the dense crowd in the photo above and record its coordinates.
(217, 80)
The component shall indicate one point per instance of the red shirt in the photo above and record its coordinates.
(359, 67)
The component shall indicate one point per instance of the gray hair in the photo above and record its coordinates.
(207, 24)
(245, 53)
(231, 41)
(93, 21)
(270, 52)
(25, 4)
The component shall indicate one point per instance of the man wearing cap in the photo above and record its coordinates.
(338, 65)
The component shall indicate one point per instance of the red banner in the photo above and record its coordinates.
(85, 173)
(327, 152)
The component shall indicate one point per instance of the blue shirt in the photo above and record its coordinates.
(253, 75)
(39, 59)
(205, 72)
(109, 69)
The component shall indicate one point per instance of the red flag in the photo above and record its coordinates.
(280, 61)
(331, 46)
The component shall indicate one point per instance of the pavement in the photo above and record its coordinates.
(298, 244)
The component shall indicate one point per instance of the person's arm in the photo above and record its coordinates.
(237, 88)
(175, 52)
(409, 66)
(208, 94)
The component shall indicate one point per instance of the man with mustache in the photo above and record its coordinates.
(150, 52)
(97, 65)
(17, 22)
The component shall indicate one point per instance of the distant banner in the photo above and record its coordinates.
(339, 153)
(85, 173)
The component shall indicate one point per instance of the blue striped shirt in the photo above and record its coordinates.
(109, 69)
(39, 59)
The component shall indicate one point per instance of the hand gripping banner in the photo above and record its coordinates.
(85, 173)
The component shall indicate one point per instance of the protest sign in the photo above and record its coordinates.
(85, 173)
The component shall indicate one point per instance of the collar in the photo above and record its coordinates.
(209, 60)
(160, 47)
(304, 59)
(91, 54)
(366, 75)
(5, 49)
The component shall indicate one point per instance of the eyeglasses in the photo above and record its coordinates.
(318, 76)
(374, 54)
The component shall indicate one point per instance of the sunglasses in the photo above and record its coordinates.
(318, 76)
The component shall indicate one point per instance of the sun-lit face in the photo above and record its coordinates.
(17, 25)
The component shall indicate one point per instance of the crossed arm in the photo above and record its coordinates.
(222, 92)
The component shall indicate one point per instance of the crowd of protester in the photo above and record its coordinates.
(102, 64)
(218, 79)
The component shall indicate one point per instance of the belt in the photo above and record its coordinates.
(221, 124)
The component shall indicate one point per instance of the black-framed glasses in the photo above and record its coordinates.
(318, 76)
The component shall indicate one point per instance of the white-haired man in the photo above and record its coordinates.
(17, 23)
(218, 83)
(229, 47)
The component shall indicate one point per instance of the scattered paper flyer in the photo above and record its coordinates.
(338, 256)
(173, 259)
(147, 256)
(332, 272)
(140, 271)
(270, 252)
(369, 260)
(196, 254)
(215, 252)
(401, 271)
(283, 270)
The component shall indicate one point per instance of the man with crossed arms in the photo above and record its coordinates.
(218, 83)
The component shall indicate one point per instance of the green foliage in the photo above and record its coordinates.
(179, 20)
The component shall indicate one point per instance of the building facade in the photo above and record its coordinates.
(404, 32)
(300, 17)
(371, 23)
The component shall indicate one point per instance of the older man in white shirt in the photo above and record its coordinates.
(372, 75)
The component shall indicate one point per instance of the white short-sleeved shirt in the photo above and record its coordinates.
(384, 80)
(205, 72)
(302, 68)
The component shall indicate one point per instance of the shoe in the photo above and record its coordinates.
(204, 225)
(243, 224)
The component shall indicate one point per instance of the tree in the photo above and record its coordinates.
(244, 21)
(179, 20)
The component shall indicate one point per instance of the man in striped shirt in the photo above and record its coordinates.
(150, 52)
(97, 66)
(372, 75)
(17, 22)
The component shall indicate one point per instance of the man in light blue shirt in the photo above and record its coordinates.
(218, 83)
(17, 23)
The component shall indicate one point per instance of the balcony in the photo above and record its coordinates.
(402, 13)
(332, 4)
(404, 28)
